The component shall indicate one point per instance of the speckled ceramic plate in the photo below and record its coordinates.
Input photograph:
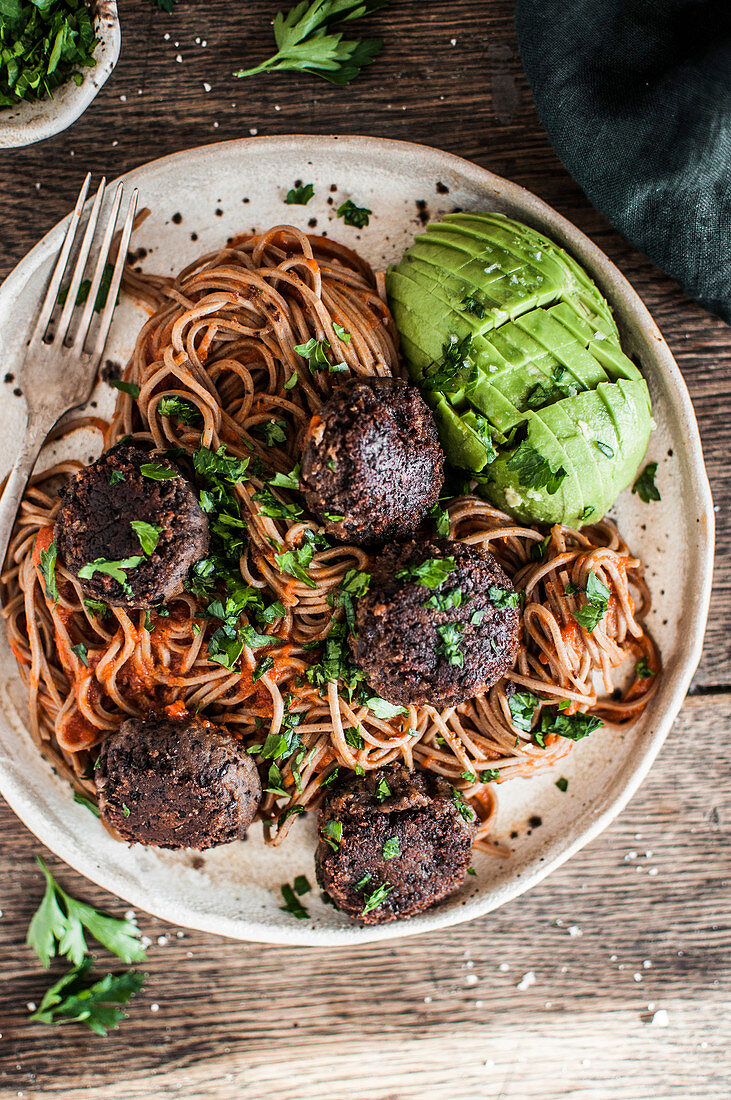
(198, 199)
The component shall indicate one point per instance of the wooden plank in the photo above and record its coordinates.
(418, 1017)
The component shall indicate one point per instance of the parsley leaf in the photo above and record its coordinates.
(592, 612)
(472, 304)
(572, 726)
(522, 706)
(147, 533)
(431, 573)
(271, 506)
(392, 848)
(450, 645)
(183, 411)
(357, 216)
(70, 998)
(115, 569)
(442, 376)
(80, 651)
(305, 44)
(383, 791)
(605, 449)
(126, 387)
(534, 470)
(332, 832)
(218, 466)
(353, 584)
(562, 783)
(314, 352)
(155, 471)
(645, 486)
(48, 571)
(382, 708)
(287, 481)
(502, 597)
(291, 903)
(300, 195)
(643, 670)
(441, 520)
(341, 333)
(57, 928)
(376, 898)
(464, 809)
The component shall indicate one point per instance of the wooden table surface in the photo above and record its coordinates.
(628, 943)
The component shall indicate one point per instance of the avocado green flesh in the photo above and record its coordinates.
(546, 355)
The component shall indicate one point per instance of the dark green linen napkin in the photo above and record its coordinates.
(636, 98)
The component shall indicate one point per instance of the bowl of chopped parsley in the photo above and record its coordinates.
(55, 55)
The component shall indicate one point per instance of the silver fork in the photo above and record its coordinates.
(58, 374)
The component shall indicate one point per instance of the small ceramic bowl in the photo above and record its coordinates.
(31, 122)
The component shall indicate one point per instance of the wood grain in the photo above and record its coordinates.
(412, 1018)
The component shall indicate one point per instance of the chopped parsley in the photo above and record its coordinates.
(48, 571)
(292, 904)
(97, 607)
(147, 533)
(314, 352)
(446, 601)
(451, 642)
(43, 45)
(300, 194)
(274, 431)
(353, 737)
(306, 41)
(463, 808)
(291, 381)
(588, 511)
(572, 726)
(392, 848)
(341, 333)
(273, 507)
(291, 811)
(87, 803)
(357, 216)
(183, 411)
(382, 708)
(126, 387)
(477, 616)
(81, 653)
(116, 477)
(592, 612)
(534, 471)
(431, 573)
(502, 597)
(562, 783)
(364, 881)
(383, 791)
(472, 304)
(266, 664)
(481, 426)
(217, 466)
(645, 486)
(375, 899)
(489, 775)
(295, 563)
(332, 832)
(302, 885)
(643, 670)
(605, 449)
(287, 481)
(441, 520)
(115, 569)
(353, 585)
(522, 706)
(156, 472)
(442, 376)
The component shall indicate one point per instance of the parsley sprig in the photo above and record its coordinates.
(306, 41)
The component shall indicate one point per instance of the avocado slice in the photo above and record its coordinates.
(507, 487)
(461, 442)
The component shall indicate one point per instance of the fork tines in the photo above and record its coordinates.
(61, 335)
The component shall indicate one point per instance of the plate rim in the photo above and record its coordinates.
(628, 780)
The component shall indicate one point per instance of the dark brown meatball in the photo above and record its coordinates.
(393, 843)
(176, 783)
(435, 645)
(372, 461)
(94, 524)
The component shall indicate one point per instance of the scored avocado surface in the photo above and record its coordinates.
(518, 354)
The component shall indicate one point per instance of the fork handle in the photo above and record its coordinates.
(37, 428)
